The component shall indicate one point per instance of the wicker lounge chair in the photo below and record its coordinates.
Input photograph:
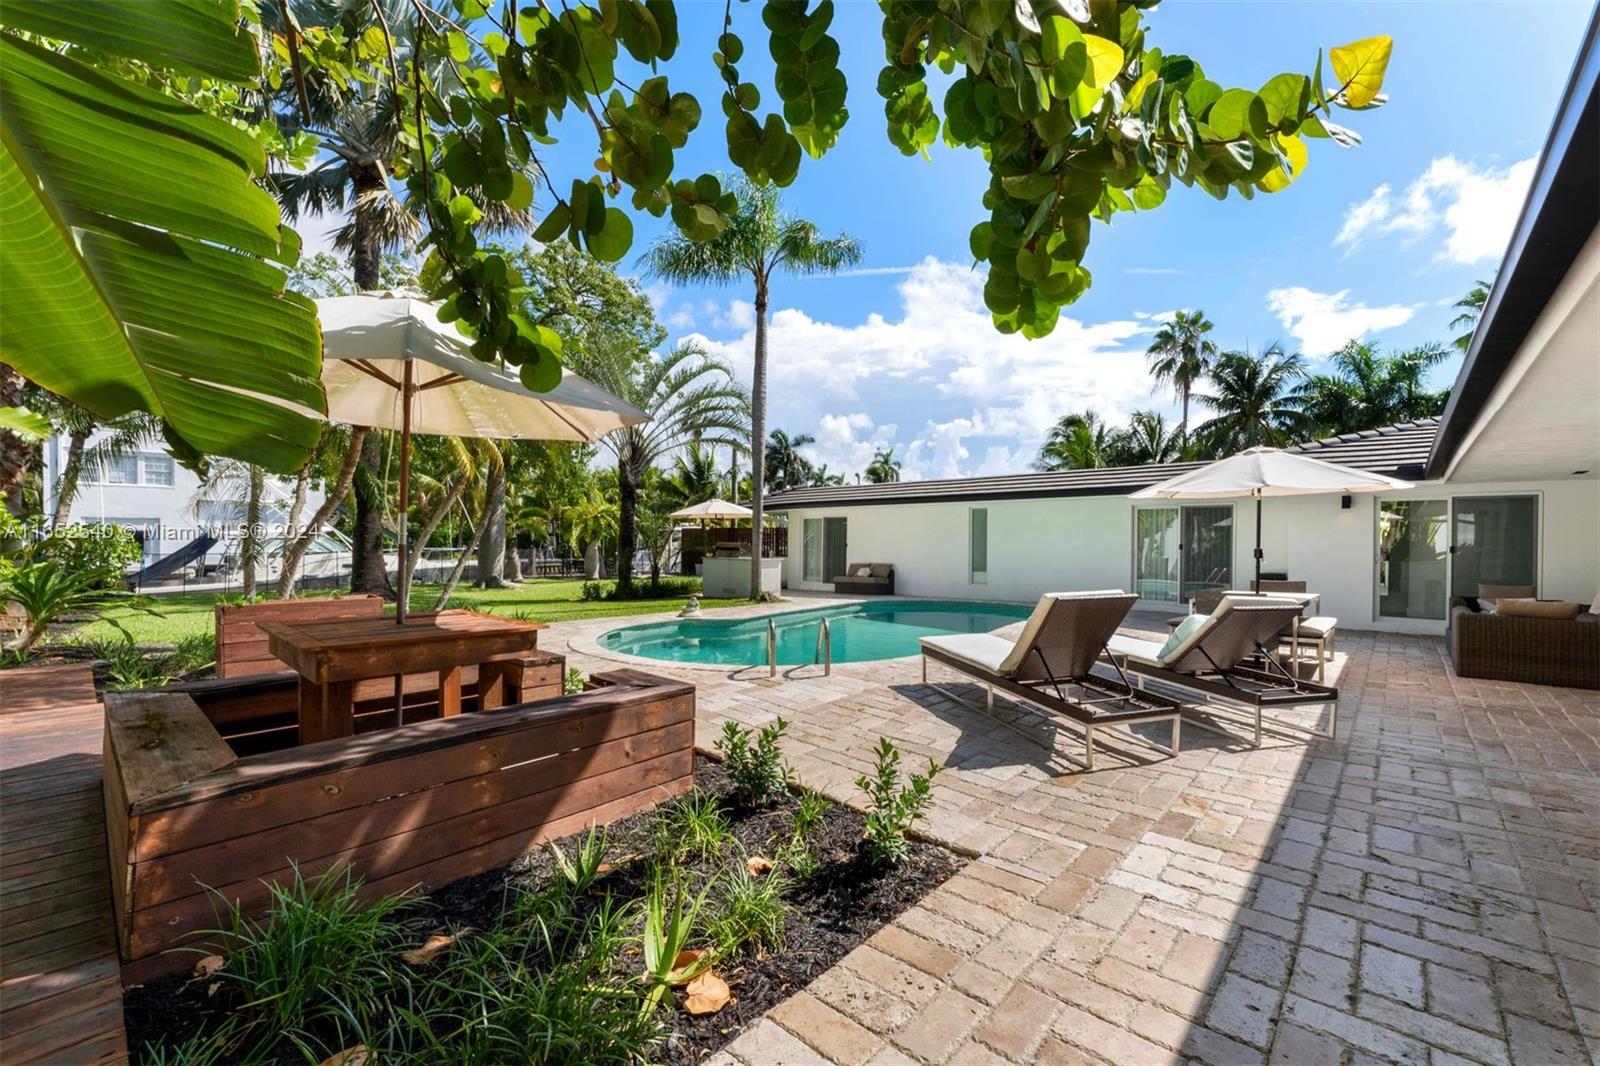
(1231, 657)
(1052, 666)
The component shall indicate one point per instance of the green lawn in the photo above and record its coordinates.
(541, 600)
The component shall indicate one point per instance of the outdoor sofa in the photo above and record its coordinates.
(866, 579)
(1561, 648)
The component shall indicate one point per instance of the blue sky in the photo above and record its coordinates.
(1377, 240)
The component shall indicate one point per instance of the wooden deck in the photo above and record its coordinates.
(60, 978)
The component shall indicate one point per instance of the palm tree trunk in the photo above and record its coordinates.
(627, 530)
(368, 571)
(71, 471)
(460, 567)
(492, 542)
(250, 546)
(1183, 427)
(430, 523)
(296, 549)
(758, 435)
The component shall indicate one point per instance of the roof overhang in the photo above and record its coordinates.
(1525, 402)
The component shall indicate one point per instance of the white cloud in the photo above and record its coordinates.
(1154, 271)
(1476, 208)
(681, 319)
(741, 314)
(1322, 322)
(964, 398)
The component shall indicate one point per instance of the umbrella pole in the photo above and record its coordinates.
(1257, 586)
(407, 390)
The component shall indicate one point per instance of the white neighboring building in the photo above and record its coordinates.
(152, 494)
(1507, 480)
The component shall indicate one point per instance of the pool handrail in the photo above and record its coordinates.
(824, 648)
(772, 649)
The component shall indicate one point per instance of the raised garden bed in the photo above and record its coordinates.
(578, 996)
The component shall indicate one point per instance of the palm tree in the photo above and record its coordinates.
(884, 467)
(694, 478)
(1075, 442)
(1146, 439)
(786, 467)
(358, 125)
(1471, 308)
(759, 243)
(1367, 389)
(689, 396)
(1254, 401)
(1179, 356)
(821, 476)
(588, 522)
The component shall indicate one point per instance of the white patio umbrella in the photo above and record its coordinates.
(1260, 472)
(720, 509)
(389, 363)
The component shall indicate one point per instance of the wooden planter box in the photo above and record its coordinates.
(194, 828)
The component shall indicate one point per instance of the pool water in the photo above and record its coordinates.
(859, 632)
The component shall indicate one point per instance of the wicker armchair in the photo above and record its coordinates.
(1537, 651)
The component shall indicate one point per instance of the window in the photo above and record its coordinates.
(157, 469)
(978, 546)
(120, 470)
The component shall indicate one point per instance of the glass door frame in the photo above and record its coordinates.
(1180, 506)
(1450, 552)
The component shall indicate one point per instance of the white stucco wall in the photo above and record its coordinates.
(1086, 542)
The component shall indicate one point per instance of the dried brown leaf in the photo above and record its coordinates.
(351, 1056)
(707, 994)
(758, 865)
(208, 966)
(430, 949)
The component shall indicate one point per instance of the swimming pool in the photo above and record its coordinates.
(859, 632)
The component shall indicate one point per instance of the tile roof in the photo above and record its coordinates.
(1399, 450)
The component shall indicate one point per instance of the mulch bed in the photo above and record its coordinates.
(829, 914)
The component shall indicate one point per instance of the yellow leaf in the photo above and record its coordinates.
(430, 948)
(757, 865)
(1294, 149)
(351, 1056)
(708, 994)
(1105, 61)
(1359, 66)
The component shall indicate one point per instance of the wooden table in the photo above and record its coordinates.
(332, 656)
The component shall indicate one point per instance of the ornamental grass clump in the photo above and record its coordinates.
(893, 807)
(760, 776)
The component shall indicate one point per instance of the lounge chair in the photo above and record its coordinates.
(1231, 655)
(1051, 666)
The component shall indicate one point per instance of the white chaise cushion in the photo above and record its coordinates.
(1135, 648)
(1041, 612)
(984, 651)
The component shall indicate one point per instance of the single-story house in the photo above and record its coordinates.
(1507, 478)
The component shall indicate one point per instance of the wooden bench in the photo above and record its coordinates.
(193, 826)
(242, 647)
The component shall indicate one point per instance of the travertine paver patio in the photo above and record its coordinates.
(1423, 889)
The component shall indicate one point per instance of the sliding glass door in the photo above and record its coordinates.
(834, 557)
(1178, 551)
(1432, 550)
(1493, 542)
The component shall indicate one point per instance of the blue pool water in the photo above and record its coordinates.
(860, 632)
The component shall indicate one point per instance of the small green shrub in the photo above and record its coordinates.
(573, 683)
(195, 652)
(130, 667)
(582, 870)
(320, 954)
(640, 589)
(796, 853)
(750, 912)
(759, 773)
(594, 590)
(692, 825)
(892, 807)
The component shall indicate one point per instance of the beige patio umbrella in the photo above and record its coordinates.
(1260, 472)
(389, 363)
(720, 509)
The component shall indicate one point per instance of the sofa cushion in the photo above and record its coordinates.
(1531, 608)
(1505, 592)
(861, 571)
(882, 569)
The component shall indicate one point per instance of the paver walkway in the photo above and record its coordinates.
(1421, 890)
(60, 980)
